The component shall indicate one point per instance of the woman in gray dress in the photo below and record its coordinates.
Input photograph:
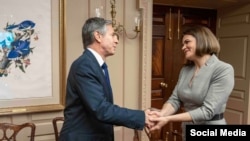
(204, 83)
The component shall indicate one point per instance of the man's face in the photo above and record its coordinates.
(109, 41)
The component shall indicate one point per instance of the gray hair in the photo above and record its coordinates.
(92, 25)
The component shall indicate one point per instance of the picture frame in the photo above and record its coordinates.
(37, 101)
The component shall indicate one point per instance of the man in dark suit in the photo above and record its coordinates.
(90, 113)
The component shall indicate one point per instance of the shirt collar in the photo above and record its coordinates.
(97, 56)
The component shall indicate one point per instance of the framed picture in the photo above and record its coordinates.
(32, 70)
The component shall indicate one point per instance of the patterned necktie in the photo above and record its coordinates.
(105, 68)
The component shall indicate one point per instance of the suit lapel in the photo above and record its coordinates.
(107, 88)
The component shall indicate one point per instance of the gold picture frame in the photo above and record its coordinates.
(55, 101)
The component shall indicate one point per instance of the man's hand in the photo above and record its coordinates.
(148, 123)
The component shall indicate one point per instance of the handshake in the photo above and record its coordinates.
(155, 119)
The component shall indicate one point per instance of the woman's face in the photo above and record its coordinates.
(189, 47)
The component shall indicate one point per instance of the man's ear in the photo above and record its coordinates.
(97, 36)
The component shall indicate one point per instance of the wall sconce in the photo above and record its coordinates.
(120, 28)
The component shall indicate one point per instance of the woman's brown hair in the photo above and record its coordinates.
(206, 41)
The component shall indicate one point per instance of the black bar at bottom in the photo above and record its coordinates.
(217, 132)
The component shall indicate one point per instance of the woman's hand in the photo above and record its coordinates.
(159, 122)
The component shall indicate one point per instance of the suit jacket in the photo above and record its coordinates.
(89, 112)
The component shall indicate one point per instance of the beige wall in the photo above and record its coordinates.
(124, 64)
(128, 82)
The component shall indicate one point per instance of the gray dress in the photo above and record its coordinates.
(207, 94)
